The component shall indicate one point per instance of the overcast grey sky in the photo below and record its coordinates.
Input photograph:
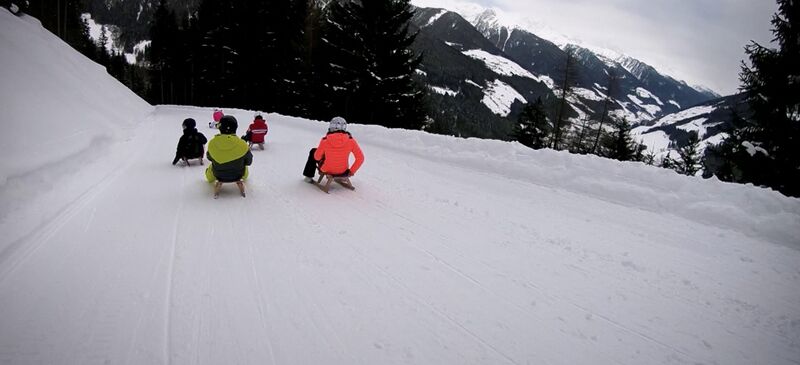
(700, 41)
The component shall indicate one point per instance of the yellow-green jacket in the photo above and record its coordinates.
(229, 156)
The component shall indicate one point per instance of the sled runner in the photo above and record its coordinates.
(187, 163)
(218, 187)
(343, 180)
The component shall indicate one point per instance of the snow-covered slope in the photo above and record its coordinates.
(450, 251)
(46, 79)
(62, 111)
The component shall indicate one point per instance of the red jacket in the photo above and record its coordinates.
(336, 148)
(258, 131)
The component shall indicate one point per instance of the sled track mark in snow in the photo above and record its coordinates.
(260, 300)
(153, 279)
(517, 307)
(415, 297)
(20, 250)
(17, 252)
(170, 280)
(333, 342)
(613, 323)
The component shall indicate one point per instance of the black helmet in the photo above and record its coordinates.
(228, 125)
(189, 123)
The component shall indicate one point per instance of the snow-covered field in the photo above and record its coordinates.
(449, 251)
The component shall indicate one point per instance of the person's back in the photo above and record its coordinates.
(194, 143)
(258, 130)
(335, 148)
(190, 145)
(229, 155)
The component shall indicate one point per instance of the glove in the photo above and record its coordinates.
(347, 173)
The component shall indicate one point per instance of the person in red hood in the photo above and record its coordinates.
(257, 131)
(333, 153)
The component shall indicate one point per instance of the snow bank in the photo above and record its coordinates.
(60, 106)
(747, 209)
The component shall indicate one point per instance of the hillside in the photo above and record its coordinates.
(712, 121)
(515, 67)
(449, 251)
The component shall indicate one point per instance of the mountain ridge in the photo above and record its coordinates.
(638, 99)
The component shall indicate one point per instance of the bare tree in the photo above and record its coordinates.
(610, 91)
(567, 84)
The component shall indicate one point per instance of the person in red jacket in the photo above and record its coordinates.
(257, 131)
(332, 156)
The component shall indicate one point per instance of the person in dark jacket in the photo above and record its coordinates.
(191, 145)
(229, 154)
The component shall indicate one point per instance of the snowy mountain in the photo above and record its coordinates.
(475, 88)
(508, 36)
(641, 93)
(449, 251)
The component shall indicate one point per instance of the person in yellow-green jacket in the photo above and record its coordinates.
(229, 154)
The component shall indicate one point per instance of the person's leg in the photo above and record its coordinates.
(210, 175)
(311, 164)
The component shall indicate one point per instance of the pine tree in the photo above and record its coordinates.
(163, 55)
(689, 162)
(103, 55)
(579, 137)
(312, 82)
(63, 18)
(532, 127)
(619, 145)
(103, 40)
(371, 65)
(219, 53)
(721, 160)
(341, 61)
(187, 58)
(275, 64)
(649, 158)
(667, 162)
(772, 87)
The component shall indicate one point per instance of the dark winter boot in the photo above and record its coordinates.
(311, 165)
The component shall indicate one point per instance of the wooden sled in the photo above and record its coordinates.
(341, 180)
(218, 187)
(186, 160)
